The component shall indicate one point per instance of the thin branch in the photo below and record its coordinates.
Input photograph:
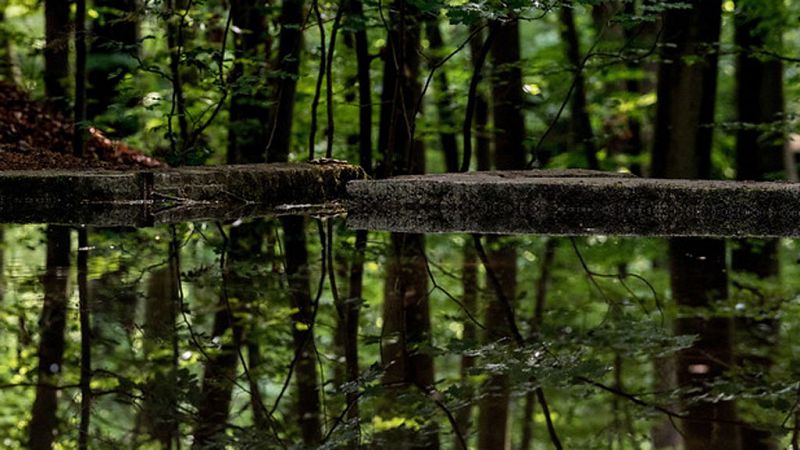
(312, 134)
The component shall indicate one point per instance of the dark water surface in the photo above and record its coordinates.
(246, 335)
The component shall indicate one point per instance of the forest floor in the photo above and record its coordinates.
(34, 137)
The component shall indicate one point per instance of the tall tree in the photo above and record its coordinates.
(112, 55)
(56, 53)
(245, 145)
(444, 103)
(309, 414)
(54, 308)
(349, 311)
(581, 124)
(248, 109)
(406, 315)
(687, 82)
(759, 156)
(290, 41)
(509, 154)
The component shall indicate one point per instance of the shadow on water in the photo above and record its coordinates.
(299, 332)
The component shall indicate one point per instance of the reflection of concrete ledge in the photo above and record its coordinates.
(138, 198)
(574, 203)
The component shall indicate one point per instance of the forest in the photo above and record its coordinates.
(300, 332)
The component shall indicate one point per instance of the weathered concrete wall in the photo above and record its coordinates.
(574, 203)
(140, 198)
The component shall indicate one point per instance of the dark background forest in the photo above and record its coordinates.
(300, 333)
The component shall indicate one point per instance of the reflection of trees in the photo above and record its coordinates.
(697, 266)
(159, 408)
(44, 419)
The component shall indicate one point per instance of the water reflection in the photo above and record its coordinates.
(300, 333)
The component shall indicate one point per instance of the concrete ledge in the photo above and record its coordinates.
(574, 203)
(141, 198)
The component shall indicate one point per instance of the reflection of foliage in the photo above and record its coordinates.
(143, 386)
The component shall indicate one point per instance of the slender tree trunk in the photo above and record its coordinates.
(115, 36)
(699, 280)
(542, 285)
(218, 379)
(494, 405)
(406, 315)
(86, 338)
(580, 121)
(309, 413)
(352, 304)
(297, 271)
(759, 156)
(175, 42)
(686, 97)
(78, 141)
(506, 93)
(44, 419)
(246, 137)
(634, 145)
(159, 414)
(290, 42)
(248, 110)
(469, 281)
(56, 53)
(482, 136)
(509, 154)
(444, 104)
(664, 433)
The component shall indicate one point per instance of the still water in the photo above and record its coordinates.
(302, 333)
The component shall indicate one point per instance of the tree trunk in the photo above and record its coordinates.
(469, 281)
(290, 43)
(175, 42)
(56, 53)
(699, 280)
(115, 37)
(506, 80)
(159, 413)
(78, 141)
(494, 405)
(482, 136)
(759, 156)
(685, 111)
(309, 413)
(509, 135)
(444, 105)
(580, 122)
(406, 315)
(44, 419)
(86, 338)
(248, 110)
